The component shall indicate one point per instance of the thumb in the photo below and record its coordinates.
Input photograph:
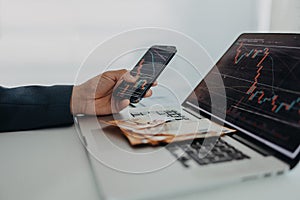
(120, 73)
(115, 75)
(129, 78)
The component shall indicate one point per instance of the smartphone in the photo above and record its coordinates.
(146, 71)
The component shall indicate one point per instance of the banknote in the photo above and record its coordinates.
(159, 131)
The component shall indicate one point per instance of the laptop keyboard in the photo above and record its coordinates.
(213, 150)
(167, 114)
(210, 152)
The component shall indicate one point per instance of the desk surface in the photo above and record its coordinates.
(52, 164)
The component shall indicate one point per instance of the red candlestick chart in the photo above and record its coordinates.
(259, 95)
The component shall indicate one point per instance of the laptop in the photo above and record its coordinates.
(254, 89)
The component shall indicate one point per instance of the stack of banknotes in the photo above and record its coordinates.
(159, 131)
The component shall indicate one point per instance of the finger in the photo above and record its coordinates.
(122, 104)
(155, 84)
(148, 93)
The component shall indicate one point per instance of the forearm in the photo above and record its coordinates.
(33, 107)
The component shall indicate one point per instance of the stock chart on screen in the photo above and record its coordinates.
(261, 75)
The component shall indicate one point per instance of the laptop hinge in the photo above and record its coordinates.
(251, 145)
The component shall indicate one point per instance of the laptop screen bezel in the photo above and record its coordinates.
(251, 137)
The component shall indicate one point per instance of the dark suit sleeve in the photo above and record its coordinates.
(33, 107)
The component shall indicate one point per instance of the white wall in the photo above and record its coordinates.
(44, 41)
(285, 16)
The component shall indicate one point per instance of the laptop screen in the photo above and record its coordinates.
(261, 80)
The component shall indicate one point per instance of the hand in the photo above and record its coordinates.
(94, 97)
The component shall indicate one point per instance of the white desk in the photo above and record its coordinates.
(51, 164)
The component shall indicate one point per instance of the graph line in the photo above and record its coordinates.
(260, 94)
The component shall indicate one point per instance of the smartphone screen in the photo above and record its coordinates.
(146, 72)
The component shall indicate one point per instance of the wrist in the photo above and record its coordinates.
(76, 102)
